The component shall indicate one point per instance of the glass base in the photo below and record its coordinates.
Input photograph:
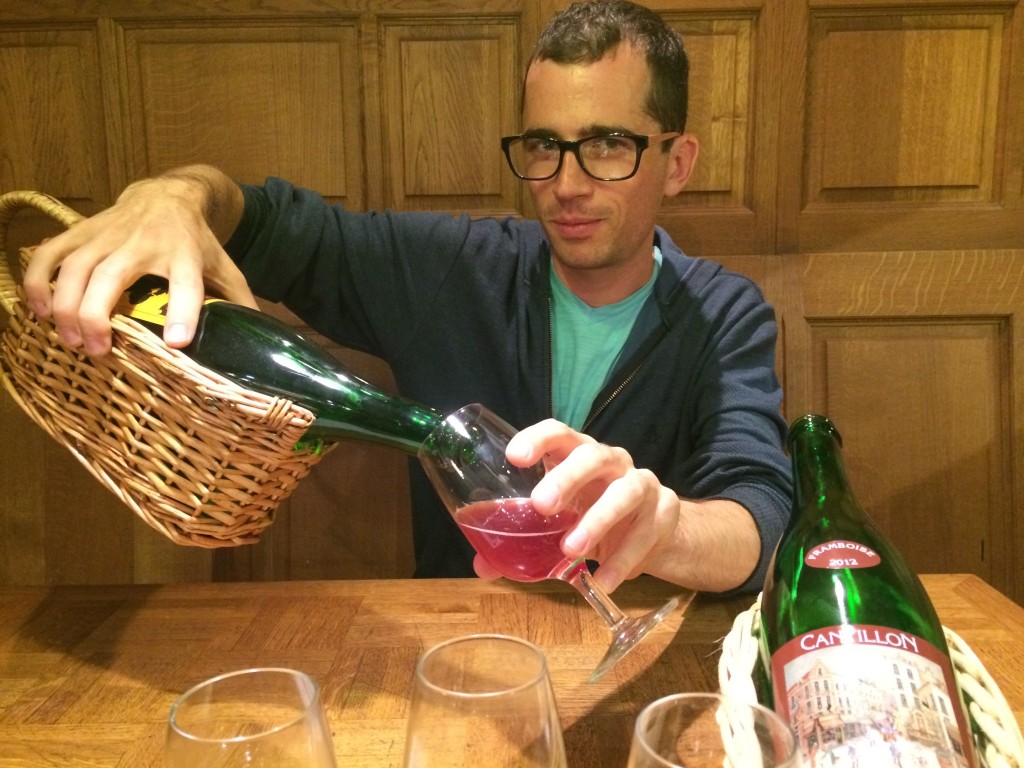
(628, 633)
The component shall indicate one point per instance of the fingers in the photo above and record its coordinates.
(92, 280)
(40, 271)
(78, 303)
(64, 300)
(98, 258)
(548, 440)
(626, 547)
(627, 512)
(185, 295)
(190, 268)
(528, 446)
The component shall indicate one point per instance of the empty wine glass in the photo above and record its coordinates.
(258, 718)
(484, 700)
(708, 730)
(489, 498)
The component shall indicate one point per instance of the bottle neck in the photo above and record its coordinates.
(819, 475)
(384, 419)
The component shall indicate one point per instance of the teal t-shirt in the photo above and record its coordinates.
(586, 344)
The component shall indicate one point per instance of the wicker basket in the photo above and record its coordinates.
(997, 737)
(196, 456)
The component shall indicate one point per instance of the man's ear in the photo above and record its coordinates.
(682, 158)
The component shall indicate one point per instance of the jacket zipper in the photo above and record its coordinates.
(594, 413)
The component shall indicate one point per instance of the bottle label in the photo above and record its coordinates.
(146, 301)
(840, 554)
(870, 696)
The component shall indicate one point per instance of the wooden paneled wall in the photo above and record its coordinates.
(862, 160)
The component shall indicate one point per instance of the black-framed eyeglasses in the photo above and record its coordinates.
(610, 157)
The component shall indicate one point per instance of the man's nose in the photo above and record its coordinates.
(571, 179)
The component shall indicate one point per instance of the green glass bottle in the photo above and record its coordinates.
(856, 656)
(266, 355)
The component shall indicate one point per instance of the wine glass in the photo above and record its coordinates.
(489, 498)
(484, 700)
(253, 717)
(705, 730)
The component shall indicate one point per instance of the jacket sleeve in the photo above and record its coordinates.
(339, 270)
(739, 432)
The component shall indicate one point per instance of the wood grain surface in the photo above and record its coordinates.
(88, 674)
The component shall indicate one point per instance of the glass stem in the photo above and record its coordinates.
(578, 574)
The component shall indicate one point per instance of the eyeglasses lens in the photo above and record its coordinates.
(610, 158)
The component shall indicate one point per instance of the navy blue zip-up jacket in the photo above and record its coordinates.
(461, 311)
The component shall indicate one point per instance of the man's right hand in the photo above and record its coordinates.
(172, 226)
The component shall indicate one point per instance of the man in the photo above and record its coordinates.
(644, 378)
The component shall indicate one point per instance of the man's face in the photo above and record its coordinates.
(601, 224)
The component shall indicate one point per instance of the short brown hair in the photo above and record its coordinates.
(588, 30)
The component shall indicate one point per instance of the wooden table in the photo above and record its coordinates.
(88, 674)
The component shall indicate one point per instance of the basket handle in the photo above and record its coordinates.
(10, 204)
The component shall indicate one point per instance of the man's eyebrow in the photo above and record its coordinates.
(541, 133)
(584, 132)
(604, 130)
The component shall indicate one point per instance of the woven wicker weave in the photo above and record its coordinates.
(997, 736)
(201, 459)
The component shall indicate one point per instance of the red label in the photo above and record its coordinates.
(870, 696)
(834, 555)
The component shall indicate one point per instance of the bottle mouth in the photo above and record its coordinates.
(813, 422)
